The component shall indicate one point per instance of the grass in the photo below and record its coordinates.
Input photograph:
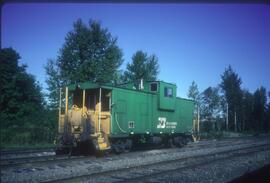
(223, 134)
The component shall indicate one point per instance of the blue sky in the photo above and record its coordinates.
(192, 41)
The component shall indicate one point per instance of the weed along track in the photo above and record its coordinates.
(132, 166)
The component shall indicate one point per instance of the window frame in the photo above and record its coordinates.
(166, 92)
(156, 87)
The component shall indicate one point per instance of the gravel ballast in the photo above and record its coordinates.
(220, 171)
(53, 171)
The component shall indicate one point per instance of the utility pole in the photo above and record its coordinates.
(235, 125)
(198, 117)
(66, 108)
(227, 117)
(59, 114)
(99, 112)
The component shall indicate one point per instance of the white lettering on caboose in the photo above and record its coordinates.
(163, 123)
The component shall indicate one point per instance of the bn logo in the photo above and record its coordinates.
(161, 122)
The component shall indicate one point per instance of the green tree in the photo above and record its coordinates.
(231, 87)
(22, 111)
(53, 83)
(268, 113)
(194, 94)
(119, 77)
(20, 94)
(259, 110)
(247, 109)
(210, 103)
(211, 110)
(89, 53)
(142, 67)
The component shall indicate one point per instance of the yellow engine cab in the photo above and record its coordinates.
(83, 107)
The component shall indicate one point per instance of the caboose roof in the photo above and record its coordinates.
(88, 85)
(126, 86)
(129, 85)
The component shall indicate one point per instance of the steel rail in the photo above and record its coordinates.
(28, 151)
(40, 160)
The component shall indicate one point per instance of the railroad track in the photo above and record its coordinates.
(51, 159)
(24, 154)
(17, 162)
(74, 168)
(142, 172)
(16, 152)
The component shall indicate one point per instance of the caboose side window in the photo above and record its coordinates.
(168, 92)
(153, 87)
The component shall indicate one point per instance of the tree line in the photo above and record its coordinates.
(90, 52)
(23, 113)
(230, 107)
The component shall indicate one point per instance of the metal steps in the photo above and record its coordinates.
(102, 143)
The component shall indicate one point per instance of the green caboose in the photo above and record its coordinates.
(117, 117)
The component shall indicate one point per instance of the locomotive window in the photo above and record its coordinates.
(153, 87)
(168, 92)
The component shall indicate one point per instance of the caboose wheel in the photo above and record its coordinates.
(127, 145)
(179, 141)
(61, 151)
(118, 147)
(122, 145)
(171, 143)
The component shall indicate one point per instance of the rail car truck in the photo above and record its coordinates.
(116, 117)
